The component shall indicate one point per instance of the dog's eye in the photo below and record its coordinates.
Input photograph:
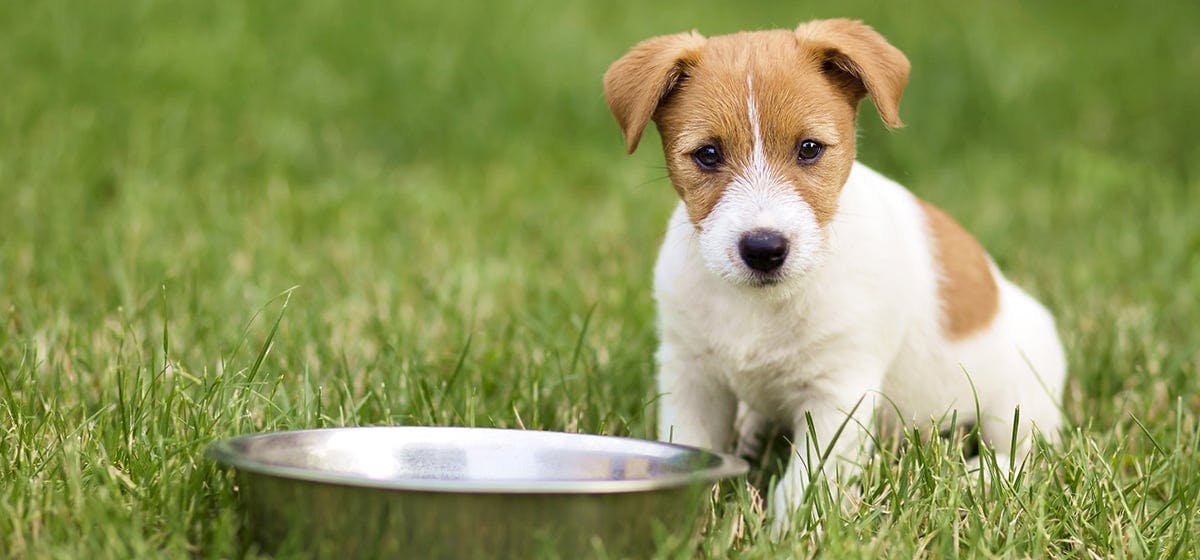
(708, 157)
(808, 151)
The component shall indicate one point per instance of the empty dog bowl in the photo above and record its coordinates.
(413, 492)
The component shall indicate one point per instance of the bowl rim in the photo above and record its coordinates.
(726, 466)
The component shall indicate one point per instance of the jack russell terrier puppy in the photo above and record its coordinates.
(802, 284)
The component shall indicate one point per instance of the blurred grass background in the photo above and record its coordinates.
(445, 189)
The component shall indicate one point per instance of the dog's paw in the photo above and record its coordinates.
(752, 431)
(783, 503)
(779, 519)
(778, 528)
(750, 446)
(975, 468)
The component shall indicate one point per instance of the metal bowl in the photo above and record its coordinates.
(425, 492)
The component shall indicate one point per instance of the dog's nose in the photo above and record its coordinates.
(763, 250)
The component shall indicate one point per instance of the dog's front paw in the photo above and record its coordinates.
(752, 431)
(783, 504)
(779, 527)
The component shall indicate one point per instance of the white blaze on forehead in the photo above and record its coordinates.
(758, 171)
(757, 184)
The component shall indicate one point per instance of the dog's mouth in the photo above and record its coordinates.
(749, 277)
(764, 280)
(767, 287)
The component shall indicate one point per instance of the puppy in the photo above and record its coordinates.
(804, 285)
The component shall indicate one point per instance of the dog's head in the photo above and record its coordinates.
(759, 133)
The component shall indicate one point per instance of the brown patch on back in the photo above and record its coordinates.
(966, 287)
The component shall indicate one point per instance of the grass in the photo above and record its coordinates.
(220, 218)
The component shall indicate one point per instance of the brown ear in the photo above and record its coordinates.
(638, 82)
(861, 60)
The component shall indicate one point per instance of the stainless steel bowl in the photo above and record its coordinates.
(414, 492)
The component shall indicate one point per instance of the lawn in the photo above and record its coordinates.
(219, 218)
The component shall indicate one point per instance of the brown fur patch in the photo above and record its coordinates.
(865, 62)
(966, 287)
(635, 84)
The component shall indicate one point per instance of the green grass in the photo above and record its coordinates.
(218, 218)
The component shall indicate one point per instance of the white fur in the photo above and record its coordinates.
(855, 321)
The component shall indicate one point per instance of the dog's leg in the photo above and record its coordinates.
(997, 430)
(752, 431)
(694, 407)
(840, 424)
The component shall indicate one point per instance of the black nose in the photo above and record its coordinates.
(763, 250)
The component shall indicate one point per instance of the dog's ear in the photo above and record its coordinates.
(860, 61)
(640, 80)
